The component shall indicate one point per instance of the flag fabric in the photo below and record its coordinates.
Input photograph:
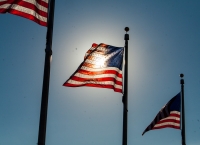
(102, 67)
(35, 10)
(168, 117)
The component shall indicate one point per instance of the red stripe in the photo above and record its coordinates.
(3, 10)
(9, 2)
(100, 72)
(30, 17)
(33, 7)
(95, 85)
(175, 115)
(75, 78)
(103, 45)
(4, 2)
(44, 4)
(167, 126)
(30, 6)
(27, 5)
(94, 45)
(88, 65)
(169, 120)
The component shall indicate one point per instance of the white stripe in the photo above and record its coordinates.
(86, 54)
(94, 82)
(97, 55)
(167, 123)
(175, 112)
(25, 10)
(5, 6)
(40, 7)
(92, 48)
(46, 1)
(93, 60)
(98, 76)
(171, 117)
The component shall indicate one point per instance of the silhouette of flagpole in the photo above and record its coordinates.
(46, 77)
(125, 96)
(182, 110)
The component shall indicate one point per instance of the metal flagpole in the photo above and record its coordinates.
(125, 97)
(182, 110)
(46, 77)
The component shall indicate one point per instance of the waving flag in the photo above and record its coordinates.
(35, 10)
(169, 115)
(102, 67)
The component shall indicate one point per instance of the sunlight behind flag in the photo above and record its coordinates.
(102, 68)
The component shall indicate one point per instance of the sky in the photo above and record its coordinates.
(164, 42)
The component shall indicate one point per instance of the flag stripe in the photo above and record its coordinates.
(173, 120)
(115, 88)
(105, 84)
(90, 50)
(78, 83)
(94, 71)
(100, 80)
(118, 74)
(102, 77)
(169, 116)
(167, 126)
(99, 69)
(41, 5)
(28, 10)
(35, 10)
(168, 119)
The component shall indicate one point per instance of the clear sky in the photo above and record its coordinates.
(164, 42)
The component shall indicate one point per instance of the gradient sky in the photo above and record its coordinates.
(164, 42)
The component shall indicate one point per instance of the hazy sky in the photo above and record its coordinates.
(164, 42)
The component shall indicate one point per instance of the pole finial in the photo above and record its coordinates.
(182, 80)
(126, 36)
(181, 75)
(126, 29)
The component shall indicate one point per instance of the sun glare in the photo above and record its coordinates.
(100, 62)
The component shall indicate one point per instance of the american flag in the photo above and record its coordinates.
(35, 10)
(102, 67)
(169, 115)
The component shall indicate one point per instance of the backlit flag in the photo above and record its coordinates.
(35, 10)
(169, 115)
(102, 67)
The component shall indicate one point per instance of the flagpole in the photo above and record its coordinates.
(182, 110)
(125, 97)
(46, 77)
